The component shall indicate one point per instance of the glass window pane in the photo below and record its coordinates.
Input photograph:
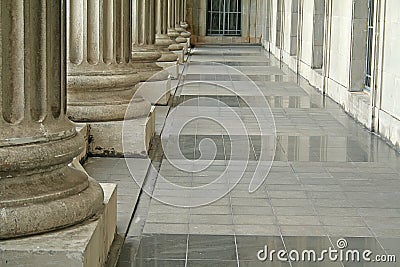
(224, 17)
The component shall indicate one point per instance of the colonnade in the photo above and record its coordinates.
(80, 59)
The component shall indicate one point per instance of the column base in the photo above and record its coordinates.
(155, 92)
(171, 67)
(85, 244)
(181, 55)
(107, 137)
(167, 56)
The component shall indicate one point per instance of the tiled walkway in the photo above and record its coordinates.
(329, 178)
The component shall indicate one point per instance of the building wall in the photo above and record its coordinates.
(325, 41)
(386, 99)
(332, 55)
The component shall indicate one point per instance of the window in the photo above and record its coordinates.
(294, 27)
(318, 34)
(280, 16)
(370, 33)
(224, 17)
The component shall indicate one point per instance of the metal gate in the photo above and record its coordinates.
(224, 17)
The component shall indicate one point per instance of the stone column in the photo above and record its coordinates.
(144, 51)
(178, 19)
(162, 39)
(184, 24)
(155, 82)
(39, 191)
(172, 32)
(101, 75)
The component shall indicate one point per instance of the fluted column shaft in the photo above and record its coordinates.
(143, 30)
(183, 10)
(177, 13)
(144, 50)
(98, 32)
(101, 77)
(39, 191)
(161, 20)
(183, 23)
(177, 21)
(172, 30)
(171, 14)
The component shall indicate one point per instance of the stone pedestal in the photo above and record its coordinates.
(101, 74)
(172, 68)
(86, 244)
(152, 93)
(146, 51)
(136, 135)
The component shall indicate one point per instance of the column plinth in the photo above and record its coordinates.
(181, 33)
(185, 33)
(39, 191)
(100, 94)
(145, 58)
(175, 46)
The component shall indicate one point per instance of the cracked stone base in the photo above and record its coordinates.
(171, 67)
(106, 137)
(86, 244)
(155, 92)
(83, 129)
(181, 56)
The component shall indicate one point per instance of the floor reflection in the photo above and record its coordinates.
(218, 250)
(330, 178)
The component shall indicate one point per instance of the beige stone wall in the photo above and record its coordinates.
(387, 95)
(333, 57)
(325, 41)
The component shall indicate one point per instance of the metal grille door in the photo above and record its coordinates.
(224, 17)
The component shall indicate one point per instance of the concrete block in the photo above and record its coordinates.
(181, 55)
(108, 138)
(85, 245)
(83, 129)
(156, 92)
(171, 67)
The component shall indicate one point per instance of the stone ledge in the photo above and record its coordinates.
(83, 245)
(155, 92)
(171, 67)
(83, 129)
(108, 140)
